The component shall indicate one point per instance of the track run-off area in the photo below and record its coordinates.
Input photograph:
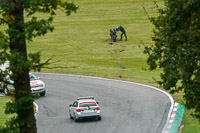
(126, 107)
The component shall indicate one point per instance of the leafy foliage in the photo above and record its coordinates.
(177, 49)
(13, 49)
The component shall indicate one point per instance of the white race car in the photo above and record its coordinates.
(84, 107)
(37, 86)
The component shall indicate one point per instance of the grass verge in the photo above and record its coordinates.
(191, 125)
(4, 117)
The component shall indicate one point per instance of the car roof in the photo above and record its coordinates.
(86, 100)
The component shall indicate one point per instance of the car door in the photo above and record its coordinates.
(73, 108)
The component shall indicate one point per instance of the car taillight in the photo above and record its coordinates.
(79, 110)
(97, 108)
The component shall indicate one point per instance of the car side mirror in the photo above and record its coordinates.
(97, 102)
(70, 105)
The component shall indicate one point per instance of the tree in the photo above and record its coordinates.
(13, 48)
(176, 49)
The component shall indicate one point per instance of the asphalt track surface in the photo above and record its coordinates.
(125, 107)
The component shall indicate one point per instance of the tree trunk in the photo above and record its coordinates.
(20, 71)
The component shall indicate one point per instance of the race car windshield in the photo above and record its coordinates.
(32, 77)
(87, 104)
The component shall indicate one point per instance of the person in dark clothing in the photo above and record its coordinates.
(113, 34)
(120, 28)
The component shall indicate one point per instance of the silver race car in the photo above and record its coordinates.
(37, 86)
(84, 107)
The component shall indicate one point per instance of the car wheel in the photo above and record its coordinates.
(5, 91)
(99, 118)
(70, 116)
(43, 93)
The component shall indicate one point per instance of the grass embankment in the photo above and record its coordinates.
(81, 43)
(3, 116)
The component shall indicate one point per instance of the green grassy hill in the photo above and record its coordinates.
(81, 43)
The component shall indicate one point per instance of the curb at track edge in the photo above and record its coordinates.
(36, 108)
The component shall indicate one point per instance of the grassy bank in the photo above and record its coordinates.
(3, 116)
(81, 44)
(191, 125)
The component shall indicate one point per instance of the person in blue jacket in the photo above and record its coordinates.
(120, 28)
